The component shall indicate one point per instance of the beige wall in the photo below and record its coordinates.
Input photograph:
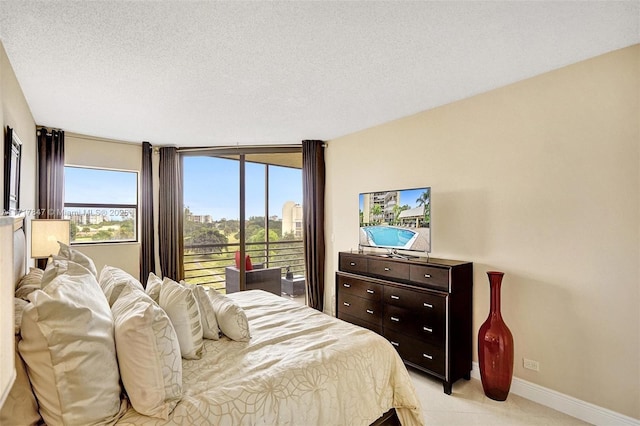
(16, 114)
(95, 152)
(539, 179)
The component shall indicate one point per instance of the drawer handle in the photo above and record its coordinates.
(395, 319)
(369, 311)
(387, 269)
(346, 304)
(346, 285)
(352, 263)
(427, 305)
(394, 297)
(427, 356)
(396, 344)
(427, 275)
(427, 329)
(370, 291)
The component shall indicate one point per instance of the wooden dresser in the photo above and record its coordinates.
(424, 308)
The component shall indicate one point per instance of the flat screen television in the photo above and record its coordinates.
(398, 221)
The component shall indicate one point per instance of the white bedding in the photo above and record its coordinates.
(301, 367)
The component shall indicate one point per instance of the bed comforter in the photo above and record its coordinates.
(301, 367)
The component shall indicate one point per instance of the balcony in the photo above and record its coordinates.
(204, 263)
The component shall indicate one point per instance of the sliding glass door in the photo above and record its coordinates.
(241, 202)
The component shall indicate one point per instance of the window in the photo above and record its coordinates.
(101, 204)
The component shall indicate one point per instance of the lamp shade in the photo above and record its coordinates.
(45, 234)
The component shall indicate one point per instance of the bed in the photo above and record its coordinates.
(299, 366)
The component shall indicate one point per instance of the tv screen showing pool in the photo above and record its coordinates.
(396, 220)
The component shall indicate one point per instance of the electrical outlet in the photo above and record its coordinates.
(530, 364)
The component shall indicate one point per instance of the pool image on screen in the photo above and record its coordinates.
(396, 220)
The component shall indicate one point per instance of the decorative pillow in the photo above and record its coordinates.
(181, 306)
(20, 407)
(248, 266)
(231, 318)
(210, 328)
(113, 280)
(29, 282)
(68, 347)
(154, 283)
(148, 354)
(74, 255)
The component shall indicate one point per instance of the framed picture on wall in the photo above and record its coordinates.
(12, 154)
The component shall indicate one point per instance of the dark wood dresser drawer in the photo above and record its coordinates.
(366, 309)
(422, 301)
(421, 305)
(353, 263)
(359, 287)
(427, 328)
(389, 269)
(425, 355)
(429, 275)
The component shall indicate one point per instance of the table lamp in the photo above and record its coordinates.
(45, 234)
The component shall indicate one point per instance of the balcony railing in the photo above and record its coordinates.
(204, 263)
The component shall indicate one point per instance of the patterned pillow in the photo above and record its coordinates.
(232, 320)
(69, 349)
(181, 306)
(210, 328)
(113, 280)
(148, 354)
(74, 255)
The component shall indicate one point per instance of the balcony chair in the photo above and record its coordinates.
(256, 277)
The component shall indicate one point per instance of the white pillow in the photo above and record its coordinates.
(60, 266)
(68, 347)
(181, 306)
(74, 255)
(231, 318)
(148, 354)
(210, 328)
(29, 282)
(154, 283)
(18, 310)
(113, 280)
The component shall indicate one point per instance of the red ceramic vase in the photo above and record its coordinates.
(495, 347)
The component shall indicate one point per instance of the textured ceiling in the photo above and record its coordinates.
(227, 73)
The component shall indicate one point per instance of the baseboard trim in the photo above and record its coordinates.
(574, 407)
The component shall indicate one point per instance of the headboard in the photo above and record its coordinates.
(12, 267)
(19, 250)
(14, 247)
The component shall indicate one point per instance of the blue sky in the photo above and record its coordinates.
(211, 186)
(83, 185)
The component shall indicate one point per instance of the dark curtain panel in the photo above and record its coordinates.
(313, 182)
(50, 177)
(147, 243)
(170, 212)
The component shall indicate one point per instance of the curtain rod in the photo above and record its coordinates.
(239, 147)
(48, 132)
